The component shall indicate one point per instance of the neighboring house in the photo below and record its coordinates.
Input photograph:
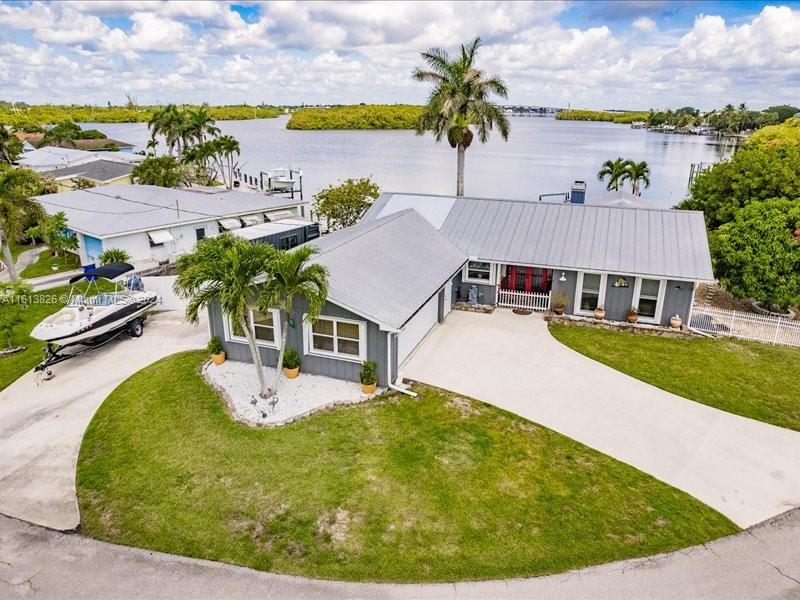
(155, 224)
(51, 158)
(34, 139)
(397, 273)
(390, 282)
(100, 172)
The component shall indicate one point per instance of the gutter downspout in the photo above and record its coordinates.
(392, 386)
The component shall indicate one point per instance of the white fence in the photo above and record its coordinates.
(747, 326)
(523, 300)
(162, 285)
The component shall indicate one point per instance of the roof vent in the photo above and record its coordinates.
(577, 195)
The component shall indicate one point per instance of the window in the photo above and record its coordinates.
(336, 337)
(478, 272)
(200, 233)
(265, 327)
(590, 291)
(647, 296)
(287, 242)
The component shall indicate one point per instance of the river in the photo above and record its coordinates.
(541, 156)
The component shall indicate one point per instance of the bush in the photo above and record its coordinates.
(215, 345)
(365, 116)
(291, 359)
(114, 255)
(560, 299)
(368, 375)
(344, 204)
(601, 115)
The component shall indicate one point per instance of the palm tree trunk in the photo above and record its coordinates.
(460, 171)
(264, 391)
(9, 259)
(284, 335)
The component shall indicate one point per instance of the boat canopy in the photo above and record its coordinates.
(109, 271)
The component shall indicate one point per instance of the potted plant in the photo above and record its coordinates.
(560, 301)
(675, 321)
(633, 314)
(599, 313)
(369, 380)
(291, 363)
(216, 350)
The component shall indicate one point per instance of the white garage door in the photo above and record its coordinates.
(416, 328)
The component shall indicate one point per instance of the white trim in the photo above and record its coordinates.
(492, 273)
(309, 350)
(601, 294)
(276, 325)
(637, 290)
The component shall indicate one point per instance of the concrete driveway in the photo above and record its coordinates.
(747, 470)
(42, 424)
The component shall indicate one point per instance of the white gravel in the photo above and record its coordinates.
(296, 398)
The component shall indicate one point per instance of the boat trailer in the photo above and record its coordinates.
(54, 354)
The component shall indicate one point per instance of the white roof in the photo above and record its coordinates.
(51, 157)
(118, 209)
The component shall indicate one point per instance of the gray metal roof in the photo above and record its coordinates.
(638, 241)
(97, 170)
(388, 268)
(117, 209)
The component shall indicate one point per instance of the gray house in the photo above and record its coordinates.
(397, 273)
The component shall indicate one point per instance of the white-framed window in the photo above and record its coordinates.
(648, 296)
(478, 271)
(590, 292)
(336, 337)
(266, 328)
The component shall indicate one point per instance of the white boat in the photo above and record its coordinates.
(92, 320)
(281, 180)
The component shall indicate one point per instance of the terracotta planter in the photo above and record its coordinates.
(633, 318)
(218, 359)
(291, 373)
(559, 310)
(599, 313)
(675, 322)
(368, 388)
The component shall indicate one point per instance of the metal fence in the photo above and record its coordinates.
(747, 326)
(523, 300)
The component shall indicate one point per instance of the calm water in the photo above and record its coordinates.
(541, 156)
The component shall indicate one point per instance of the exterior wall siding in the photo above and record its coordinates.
(318, 365)
(618, 299)
(568, 287)
(487, 294)
(677, 300)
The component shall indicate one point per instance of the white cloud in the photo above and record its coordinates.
(645, 24)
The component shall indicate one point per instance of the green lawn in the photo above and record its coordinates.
(40, 305)
(437, 488)
(747, 378)
(44, 265)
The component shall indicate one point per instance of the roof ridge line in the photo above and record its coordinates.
(367, 227)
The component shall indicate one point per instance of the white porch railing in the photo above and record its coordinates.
(523, 300)
(747, 326)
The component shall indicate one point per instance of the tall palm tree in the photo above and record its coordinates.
(293, 276)
(17, 208)
(460, 100)
(637, 173)
(168, 121)
(200, 123)
(614, 170)
(222, 270)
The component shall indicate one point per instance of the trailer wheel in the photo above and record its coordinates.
(136, 328)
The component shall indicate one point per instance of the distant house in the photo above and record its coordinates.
(397, 273)
(100, 172)
(50, 158)
(32, 140)
(155, 224)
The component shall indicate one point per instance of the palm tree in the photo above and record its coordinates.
(222, 270)
(10, 146)
(292, 276)
(17, 208)
(169, 122)
(637, 173)
(614, 170)
(62, 135)
(200, 123)
(459, 100)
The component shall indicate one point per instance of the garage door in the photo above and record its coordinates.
(416, 328)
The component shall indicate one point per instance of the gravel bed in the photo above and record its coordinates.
(296, 398)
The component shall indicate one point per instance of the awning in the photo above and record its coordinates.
(252, 220)
(230, 224)
(281, 214)
(160, 236)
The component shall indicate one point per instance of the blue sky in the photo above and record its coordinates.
(623, 54)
